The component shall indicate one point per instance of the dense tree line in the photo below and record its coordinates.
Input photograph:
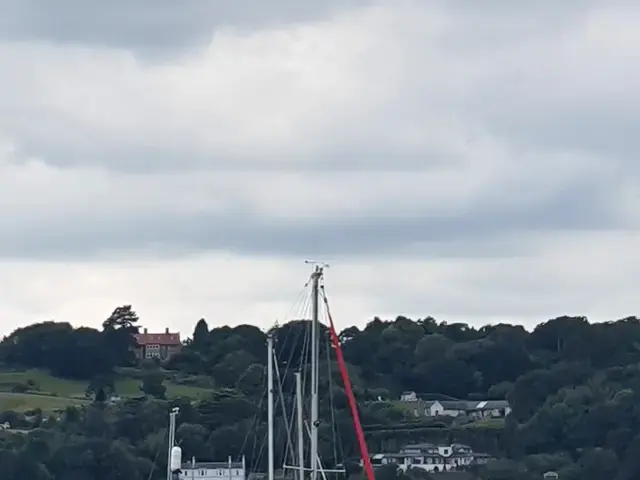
(79, 353)
(573, 386)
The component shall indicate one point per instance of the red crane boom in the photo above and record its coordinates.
(364, 451)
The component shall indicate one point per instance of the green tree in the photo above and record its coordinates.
(153, 384)
(574, 388)
(118, 332)
(201, 334)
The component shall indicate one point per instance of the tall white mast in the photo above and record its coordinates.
(172, 438)
(300, 425)
(315, 344)
(270, 404)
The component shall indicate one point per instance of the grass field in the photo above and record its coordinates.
(22, 402)
(56, 393)
(492, 423)
(409, 408)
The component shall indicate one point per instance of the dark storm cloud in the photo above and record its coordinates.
(148, 25)
(471, 232)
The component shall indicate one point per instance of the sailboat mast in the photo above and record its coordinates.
(172, 439)
(300, 425)
(315, 354)
(270, 405)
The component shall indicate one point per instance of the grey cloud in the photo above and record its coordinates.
(496, 104)
(541, 14)
(602, 130)
(350, 155)
(581, 206)
(549, 112)
(476, 231)
(363, 144)
(170, 24)
(148, 26)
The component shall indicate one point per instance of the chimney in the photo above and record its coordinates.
(166, 330)
(146, 331)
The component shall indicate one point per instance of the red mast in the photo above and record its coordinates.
(364, 451)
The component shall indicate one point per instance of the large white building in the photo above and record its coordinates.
(213, 470)
(432, 458)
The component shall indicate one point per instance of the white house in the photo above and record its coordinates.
(409, 397)
(432, 458)
(492, 409)
(213, 470)
(439, 408)
(453, 408)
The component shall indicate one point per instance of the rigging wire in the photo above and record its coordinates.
(285, 356)
(289, 364)
(303, 308)
(302, 359)
(253, 426)
(298, 333)
(282, 401)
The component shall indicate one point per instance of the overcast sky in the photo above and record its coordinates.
(476, 163)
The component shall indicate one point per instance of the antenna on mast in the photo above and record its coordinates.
(321, 265)
(318, 271)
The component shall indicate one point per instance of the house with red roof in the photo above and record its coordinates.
(157, 345)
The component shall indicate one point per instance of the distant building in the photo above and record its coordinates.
(432, 458)
(411, 402)
(213, 470)
(409, 397)
(157, 345)
(492, 409)
(454, 408)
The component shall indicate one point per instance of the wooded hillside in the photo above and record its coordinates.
(574, 390)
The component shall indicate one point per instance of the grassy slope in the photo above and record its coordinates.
(55, 393)
(22, 402)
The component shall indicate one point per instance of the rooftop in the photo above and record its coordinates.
(429, 448)
(210, 465)
(469, 404)
(166, 338)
